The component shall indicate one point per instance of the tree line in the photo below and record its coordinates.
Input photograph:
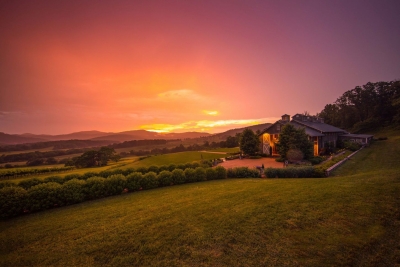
(365, 107)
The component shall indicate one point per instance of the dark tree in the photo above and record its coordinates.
(292, 138)
(249, 142)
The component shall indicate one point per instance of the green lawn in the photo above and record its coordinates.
(349, 219)
(174, 158)
(226, 150)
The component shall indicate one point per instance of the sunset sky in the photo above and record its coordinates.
(68, 66)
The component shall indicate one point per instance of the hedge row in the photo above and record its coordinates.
(26, 184)
(291, 172)
(22, 172)
(16, 200)
(243, 172)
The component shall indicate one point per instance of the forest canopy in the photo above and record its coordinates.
(365, 107)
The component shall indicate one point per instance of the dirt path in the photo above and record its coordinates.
(251, 163)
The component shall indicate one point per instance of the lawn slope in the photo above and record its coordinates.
(350, 219)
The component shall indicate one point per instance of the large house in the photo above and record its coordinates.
(320, 133)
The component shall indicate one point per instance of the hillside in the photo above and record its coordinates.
(351, 219)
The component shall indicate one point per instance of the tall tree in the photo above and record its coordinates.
(249, 142)
(292, 138)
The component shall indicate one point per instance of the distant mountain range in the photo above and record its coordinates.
(12, 139)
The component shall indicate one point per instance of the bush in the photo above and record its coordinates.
(115, 184)
(200, 174)
(221, 172)
(73, 191)
(178, 176)
(181, 166)
(87, 175)
(95, 188)
(163, 168)
(143, 170)
(128, 171)
(243, 172)
(316, 160)
(280, 159)
(211, 174)
(105, 173)
(171, 167)
(71, 176)
(291, 172)
(149, 181)
(26, 184)
(13, 201)
(55, 179)
(352, 146)
(165, 178)
(153, 169)
(133, 181)
(190, 176)
(44, 196)
(7, 184)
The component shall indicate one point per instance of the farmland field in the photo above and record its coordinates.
(350, 219)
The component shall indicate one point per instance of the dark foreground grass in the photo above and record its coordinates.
(351, 219)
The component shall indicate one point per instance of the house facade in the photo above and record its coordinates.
(319, 133)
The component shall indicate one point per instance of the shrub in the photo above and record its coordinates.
(352, 146)
(133, 181)
(211, 174)
(87, 175)
(316, 160)
(6, 184)
(55, 179)
(71, 176)
(165, 178)
(153, 169)
(178, 176)
(128, 171)
(105, 173)
(95, 188)
(73, 191)
(44, 196)
(149, 180)
(242, 172)
(200, 174)
(143, 170)
(12, 201)
(171, 167)
(280, 159)
(163, 168)
(181, 166)
(291, 172)
(221, 172)
(26, 184)
(115, 184)
(194, 165)
(190, 176)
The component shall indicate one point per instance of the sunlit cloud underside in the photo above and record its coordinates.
(204, 125)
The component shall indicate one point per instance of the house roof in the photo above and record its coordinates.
(309, 131)
(320, 126)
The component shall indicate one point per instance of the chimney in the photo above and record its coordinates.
(286, 117)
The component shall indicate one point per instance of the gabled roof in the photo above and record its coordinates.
(281, 122)
(309, 131)
(320, 126)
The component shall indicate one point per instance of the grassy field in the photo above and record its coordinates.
(174, 158)
(350, 219)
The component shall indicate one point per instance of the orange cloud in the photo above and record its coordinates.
(205, 125)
